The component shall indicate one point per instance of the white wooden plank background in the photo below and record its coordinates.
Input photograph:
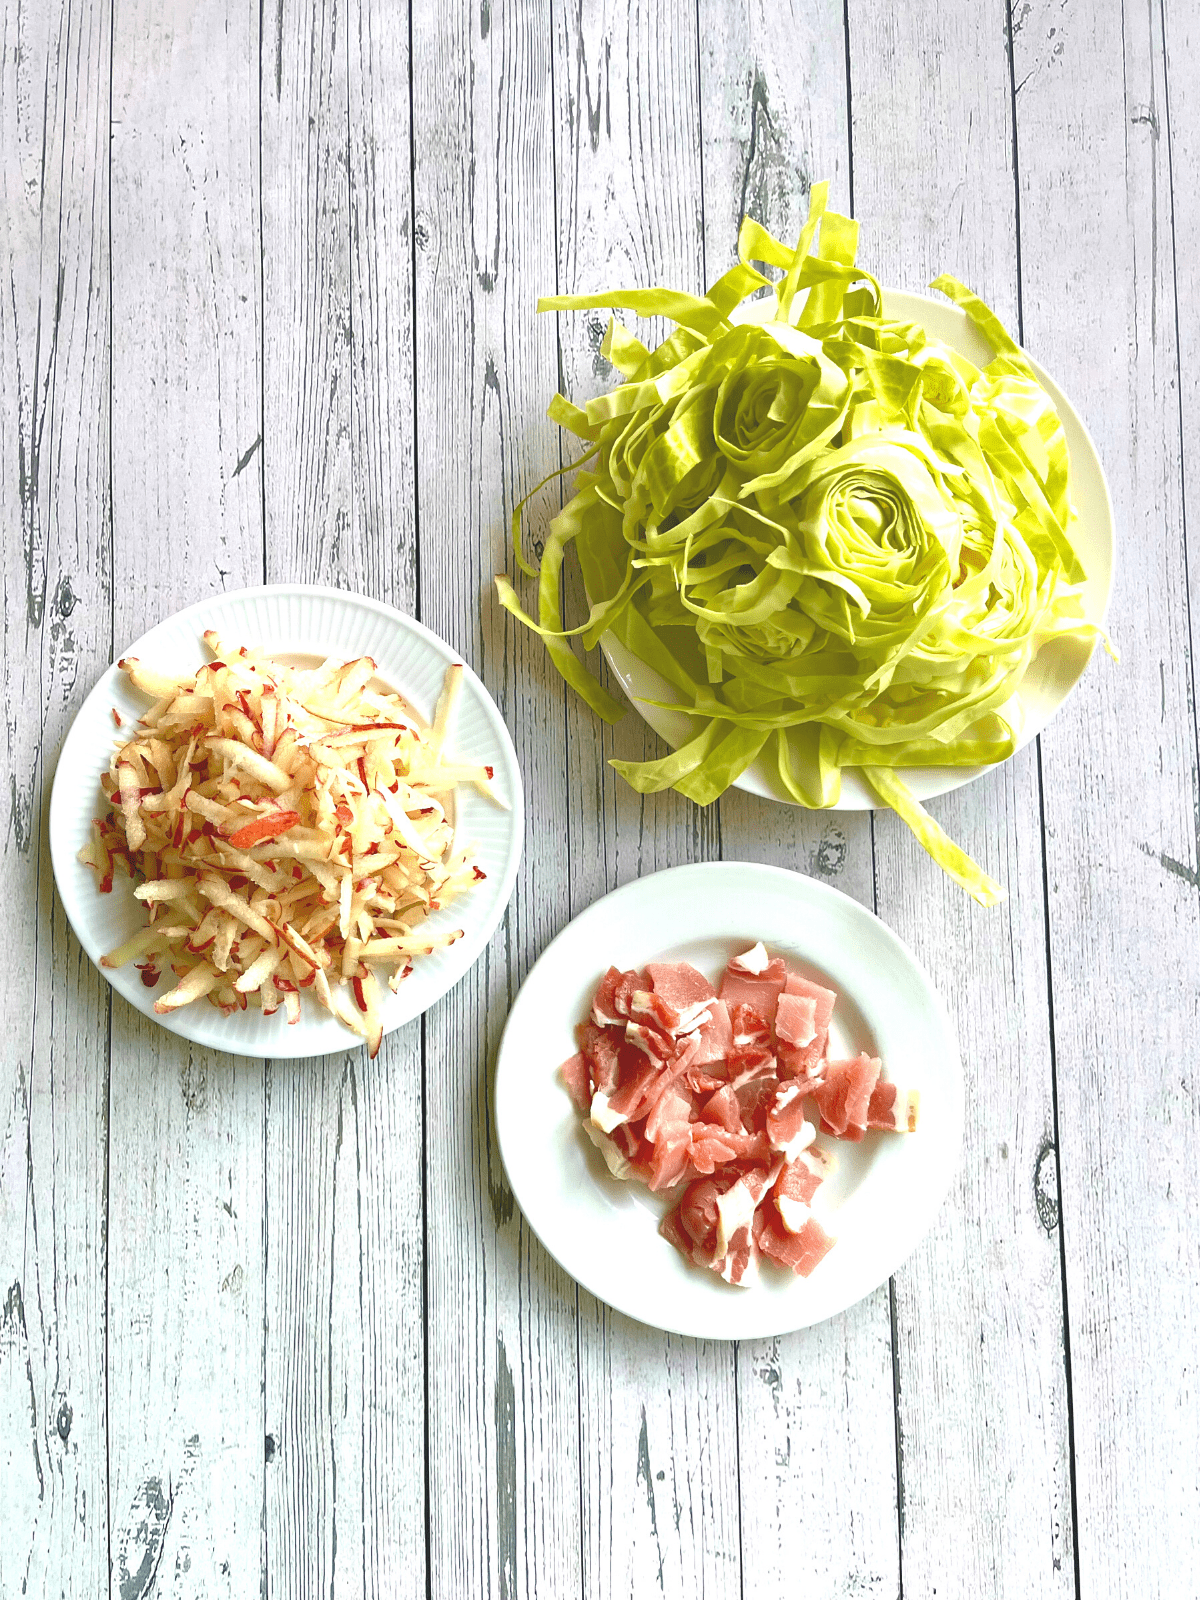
(267, 278)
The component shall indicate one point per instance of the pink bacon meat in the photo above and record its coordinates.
(714, 1098)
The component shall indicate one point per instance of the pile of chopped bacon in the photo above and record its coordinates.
(705, 1095)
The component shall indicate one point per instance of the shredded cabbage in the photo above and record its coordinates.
(839, 541)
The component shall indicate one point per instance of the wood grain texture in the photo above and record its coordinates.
(659, 1438)
(344, 1362)
(982, 1423)
(774, 116)
(383, 425)
(502, 1387)
(628, 202)
(54, 562)
(185, 1221)
(1179, 134)
(344, 1367)
(283, 1330)
(1101, 302)
(307, 334)
(815, 1410)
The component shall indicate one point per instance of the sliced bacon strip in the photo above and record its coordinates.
(714, 1037)
(611, 1004)
(796, 1019)
(576, 1074)
(802, 1252)
(787, 1127)
(893, 1108)
(761, 992)
(844, 1095)
(679, 984)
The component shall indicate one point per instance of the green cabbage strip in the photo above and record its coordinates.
(957, 863)
(838, 541)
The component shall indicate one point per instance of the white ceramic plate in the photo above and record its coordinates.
(882, 1197)
(1057, 667)
(297, 621)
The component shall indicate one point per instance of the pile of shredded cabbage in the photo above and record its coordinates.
(837, 540)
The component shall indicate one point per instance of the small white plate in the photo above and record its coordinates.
(886, 1190)
(295, 620)
(1057, 667)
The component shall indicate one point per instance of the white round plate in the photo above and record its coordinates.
(296, 621)
(1056, 668)
(885, 1191)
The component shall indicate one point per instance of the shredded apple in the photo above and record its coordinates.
(287, 830)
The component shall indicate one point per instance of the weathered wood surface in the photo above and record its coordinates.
(266, 310)
(502, 1392)
(343, 1369)
(186, 1266)
(55, 561)
(1120, 786)
(936, 192)
(816, 1410)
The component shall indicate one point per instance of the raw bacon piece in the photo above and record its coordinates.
(754, 961)
(650, 1007)
(755, 1092)
(795, 1186)
(715, 1037)
(672, 1161)
(614, 1158)
(713, 1223)
(679, 984)
(635, 1149)
(806, 989)
(576, 1074)
(700, 1082)
(750, 1053)
(708, 1143)
(762, 992)
(692, 1225)
(647, 1007)
(628, 1141)
(787, 1128)
(698, 1212)
(670, 1072)
(893, 1108)
(722, 1108)
(611, 1003)
(796, 1019)
(844, 1095)
(739, 1264)
(649, 1040)
(697, 1151)
(637, 1074)
(802, 1251)
(750, 1027)
(803, 1063)
(673, 1109)
(734, 1251)
(672, 1229)
(803, 1060)
(602, 1049)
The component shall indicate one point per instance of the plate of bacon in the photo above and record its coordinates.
(729, 1100)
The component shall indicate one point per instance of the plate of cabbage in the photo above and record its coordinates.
(843, 546)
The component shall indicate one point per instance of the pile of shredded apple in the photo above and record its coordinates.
(287, 829)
